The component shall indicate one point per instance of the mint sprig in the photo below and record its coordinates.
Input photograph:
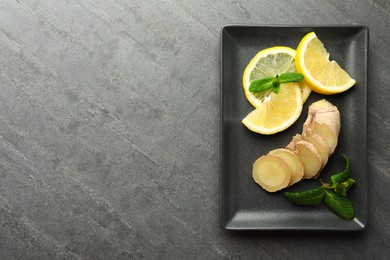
(333, 194)
(259, 85)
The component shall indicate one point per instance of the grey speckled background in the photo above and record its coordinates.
(109, 130)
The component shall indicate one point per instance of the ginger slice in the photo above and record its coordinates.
(319, 144)
(271, 173)
(293, 162)
(309, 157)
(327, 134)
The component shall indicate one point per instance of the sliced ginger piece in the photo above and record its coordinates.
(320, 145)
(271, 173)
(309, 157)
(293, 162)
(327, 135)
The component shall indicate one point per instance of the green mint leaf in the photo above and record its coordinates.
(343, 187)
(290, 77)
(342, 176)
(340, 205)
(310, 197)
(276, 87)
(259, 85)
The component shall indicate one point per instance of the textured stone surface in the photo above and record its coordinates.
(109, 120)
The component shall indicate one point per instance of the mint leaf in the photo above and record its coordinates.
(259, 85)
(340, 205)
(289, 77)
(310, 197)
(343, 187)
(341, 176)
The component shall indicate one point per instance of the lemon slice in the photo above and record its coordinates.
(323, 76)
(277, 112)
(269, 63)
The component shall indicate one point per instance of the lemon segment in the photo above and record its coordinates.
(322, 75)
(277, 112)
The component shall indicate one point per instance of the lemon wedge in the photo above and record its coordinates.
(322, 75)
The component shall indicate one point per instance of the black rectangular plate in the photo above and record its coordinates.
(244, 204)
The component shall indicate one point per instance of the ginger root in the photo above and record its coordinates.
(306, 155)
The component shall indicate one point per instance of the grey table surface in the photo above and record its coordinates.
(109, 130)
